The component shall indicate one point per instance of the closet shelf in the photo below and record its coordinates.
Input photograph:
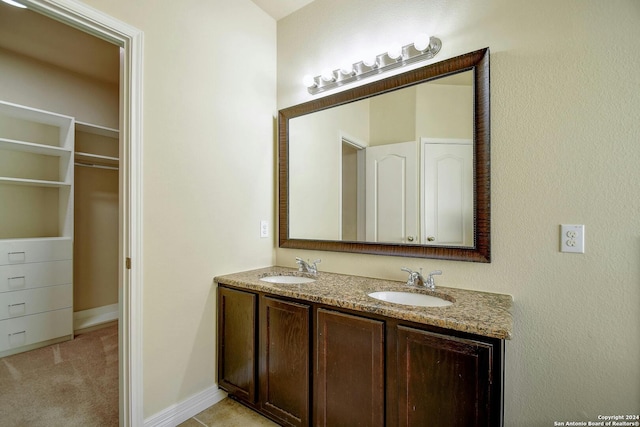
(35, 115)
(95, 159)
(33, 182)
(96, 129)
(30, 147)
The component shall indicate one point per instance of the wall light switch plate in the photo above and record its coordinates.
(572, 238)
(264, 229)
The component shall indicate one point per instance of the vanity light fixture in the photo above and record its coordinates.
(423, 48)
(15, 3)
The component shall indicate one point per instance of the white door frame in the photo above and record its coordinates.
(96, 23)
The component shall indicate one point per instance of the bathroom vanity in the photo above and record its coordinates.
(325, 353)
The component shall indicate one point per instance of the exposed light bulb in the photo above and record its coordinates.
(370, 62)
(347, 69)
(309, 81)
(327, 75)
(15, 3)
(395, 52)
(422, 42)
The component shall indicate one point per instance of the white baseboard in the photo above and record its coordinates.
(94, 316)
(181, 412)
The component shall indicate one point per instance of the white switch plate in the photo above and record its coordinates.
(264, 229)
(572, 238)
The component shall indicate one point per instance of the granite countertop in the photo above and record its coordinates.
(480, 313)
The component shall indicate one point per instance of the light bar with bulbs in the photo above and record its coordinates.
(423, 48)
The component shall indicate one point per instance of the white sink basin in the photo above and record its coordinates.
(294, 280)
(409, 298)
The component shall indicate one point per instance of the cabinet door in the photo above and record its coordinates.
(284, 361)
(349, 371)
(443, 380)
(237, 343)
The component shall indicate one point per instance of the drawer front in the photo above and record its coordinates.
(33, 301)
(26, 330)
(23, 251)
(36, 275)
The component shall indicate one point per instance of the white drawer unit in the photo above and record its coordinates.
(35, 275)
(36, 244)
(34, 301)
(24, 251)
(28, 330)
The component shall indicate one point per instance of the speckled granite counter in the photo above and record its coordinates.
(480, 313)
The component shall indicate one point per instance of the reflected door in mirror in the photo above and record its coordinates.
(392, 193)
(447, 192)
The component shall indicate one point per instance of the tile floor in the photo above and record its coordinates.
(228, 413)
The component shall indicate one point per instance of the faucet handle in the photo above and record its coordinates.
(431, 282)
(412, 275)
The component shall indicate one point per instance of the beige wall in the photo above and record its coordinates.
(392, 118)
(208, 174)
(38, 85)
(564, 149)
(315, 189)
(445, 111)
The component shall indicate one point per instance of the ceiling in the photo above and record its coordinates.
(31, 34)
(280, 8)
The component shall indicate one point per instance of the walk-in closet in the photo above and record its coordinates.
(59, 188)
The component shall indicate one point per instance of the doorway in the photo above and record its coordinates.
(352, 201)
(129, 39)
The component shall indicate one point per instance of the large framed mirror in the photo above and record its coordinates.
(397, 167)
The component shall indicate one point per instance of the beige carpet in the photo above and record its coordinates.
(74, 383)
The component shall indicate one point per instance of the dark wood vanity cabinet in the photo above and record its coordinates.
(284, 361)
(237, 334)
(305, 364)
(444, 380)
(349, 370)
(263, 354)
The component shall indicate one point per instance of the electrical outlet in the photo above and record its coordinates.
(572, 238)
(264, 229)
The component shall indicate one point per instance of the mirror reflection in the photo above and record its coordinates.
(395, 168)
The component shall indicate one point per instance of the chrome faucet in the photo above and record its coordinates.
(416, 278)
(305, 267)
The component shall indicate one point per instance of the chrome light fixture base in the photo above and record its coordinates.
(383, 62)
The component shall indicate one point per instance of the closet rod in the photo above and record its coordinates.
(88, 165)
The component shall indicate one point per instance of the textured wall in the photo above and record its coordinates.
(565, 149)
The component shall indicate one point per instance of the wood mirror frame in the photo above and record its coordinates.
(477, 61)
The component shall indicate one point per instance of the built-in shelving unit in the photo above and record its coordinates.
(36, 227)
(37, 149)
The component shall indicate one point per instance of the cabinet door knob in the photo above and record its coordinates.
(431, 239)
(410, 238)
